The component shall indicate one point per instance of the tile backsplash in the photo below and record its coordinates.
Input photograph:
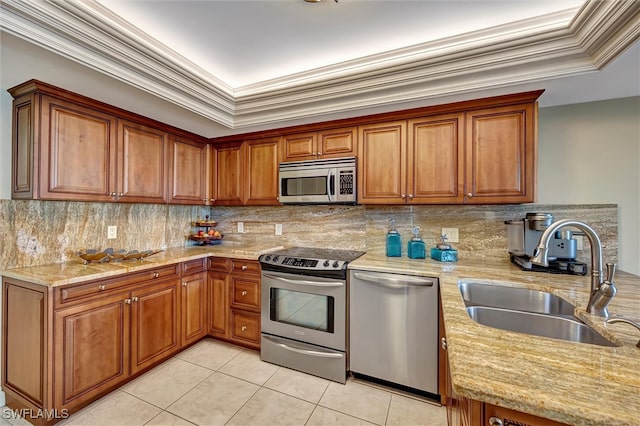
(41, 232)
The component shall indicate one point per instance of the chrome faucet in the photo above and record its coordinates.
(602, 290)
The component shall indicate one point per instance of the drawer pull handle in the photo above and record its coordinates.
(156, 275)
(102, 287)
(127, 301)
(244, 292)
(244, 267)
(243, 328)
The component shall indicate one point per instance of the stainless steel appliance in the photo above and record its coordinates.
(524, 235)
(304, 310)
(318, 181)
(394, 328)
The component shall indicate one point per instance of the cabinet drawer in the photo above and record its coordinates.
(245, 326)
(194, 266)
(245, 293)
(219, 264)
(245, 266)
(71, 293)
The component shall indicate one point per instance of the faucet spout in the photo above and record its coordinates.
(598, 300)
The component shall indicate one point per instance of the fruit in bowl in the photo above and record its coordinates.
(201, 233)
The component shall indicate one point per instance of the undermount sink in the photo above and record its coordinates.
(519, 299)
(523, 310)
(537, 324)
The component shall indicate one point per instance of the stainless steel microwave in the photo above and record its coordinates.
(318, 181)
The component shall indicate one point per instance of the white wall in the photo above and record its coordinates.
(590, 154)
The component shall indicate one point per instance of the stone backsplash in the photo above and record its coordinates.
(41, 232)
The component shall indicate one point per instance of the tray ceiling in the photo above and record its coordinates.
(256, 63)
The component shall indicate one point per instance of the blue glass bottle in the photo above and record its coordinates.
(394, 242)
(443, 252)
(415, 247)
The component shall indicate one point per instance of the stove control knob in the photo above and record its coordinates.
(275, 258)
(325, 263)
(268, 257)
(336, 264)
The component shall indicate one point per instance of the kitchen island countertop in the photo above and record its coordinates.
(74, 271)
(568, 382)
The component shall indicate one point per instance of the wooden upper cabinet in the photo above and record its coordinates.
(382, 163)
(325, 144)
(189, 172)
(262, 158)
(77, 152)
(435, 159)
(142, 163)
(501, 154)
(229, 174)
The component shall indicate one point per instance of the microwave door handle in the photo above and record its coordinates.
(330, 185)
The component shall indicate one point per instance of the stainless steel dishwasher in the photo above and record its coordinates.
(393, 328)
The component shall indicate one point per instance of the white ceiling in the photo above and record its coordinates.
(255, 64)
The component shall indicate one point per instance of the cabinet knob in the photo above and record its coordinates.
(156, 275)
(213, 200)
(102, 287)
(184, 284)
(244, 292)
(410, 195)
(121, 194)
(243, 328)
(403, 196)
(134, 298)
(495, 421)
(469, 195)
(244, 267)
(443, 344)
(127, 301)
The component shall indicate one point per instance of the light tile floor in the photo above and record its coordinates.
(214, 383)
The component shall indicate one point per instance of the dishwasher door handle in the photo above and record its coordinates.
(393, 282)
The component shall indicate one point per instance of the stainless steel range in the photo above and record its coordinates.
(304, 310)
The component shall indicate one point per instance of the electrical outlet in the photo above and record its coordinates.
(452, 235)
(240, 227)
(112, 232)
(278, 229)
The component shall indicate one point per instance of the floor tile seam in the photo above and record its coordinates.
(349, 414)
(173, 414)
(243, 404)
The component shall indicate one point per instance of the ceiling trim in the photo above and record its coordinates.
(555, 45)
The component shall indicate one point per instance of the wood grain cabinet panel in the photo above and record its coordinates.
(262, 158)
(218, 284)
(229, 175)
(382, 163)
(142, 163)
(194, 307)
(332, 143)
(189, 172)
(245, 327)
(78, 152)
(91, 349)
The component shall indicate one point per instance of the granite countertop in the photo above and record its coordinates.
(568, 382)
(75, 271)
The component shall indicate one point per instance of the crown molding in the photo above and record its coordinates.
(556, 45)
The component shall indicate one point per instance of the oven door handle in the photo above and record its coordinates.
(305, 282)
(304, 351)
(393, 282)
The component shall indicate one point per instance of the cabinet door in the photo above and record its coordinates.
(382, 163)
(155, 320)
(142, 163)
(261, 167)
(501, 150)
(435, 160)
(91, 347)
(24, 144)
(338, 143)
(303, 146)
(194, 306)
(230, 174)
(189, 172)
(78, 152)
(218, 304)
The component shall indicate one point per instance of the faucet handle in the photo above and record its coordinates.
(611, 271)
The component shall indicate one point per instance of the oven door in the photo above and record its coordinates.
(305, 308)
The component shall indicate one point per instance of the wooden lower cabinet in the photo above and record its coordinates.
(194, 308)
(234, 301)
